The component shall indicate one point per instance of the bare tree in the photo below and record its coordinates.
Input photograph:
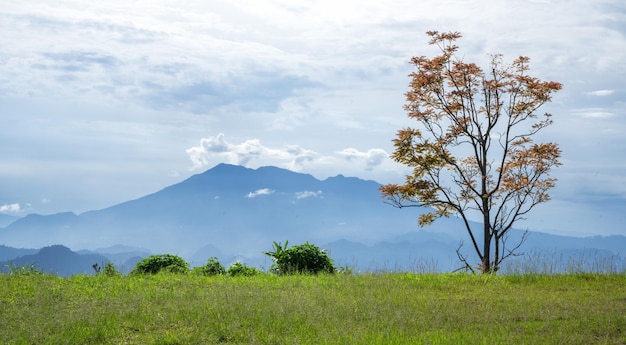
(473, 154)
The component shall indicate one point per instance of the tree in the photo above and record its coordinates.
(473, 154)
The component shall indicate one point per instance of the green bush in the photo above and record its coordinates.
(161, 263)
(211, 268)
(240, 269)
(303, 259)
(110, 270)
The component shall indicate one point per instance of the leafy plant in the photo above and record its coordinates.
(345, 269)
(304, 259)
(277, 255)
(211, 268)
(23, 270)
(241, 269)
(161, 263)
(110, 270)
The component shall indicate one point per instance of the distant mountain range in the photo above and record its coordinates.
(57, 260)
(235, 213)
(62, 261)
(235, 209)
(8, 253)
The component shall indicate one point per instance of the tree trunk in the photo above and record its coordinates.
(486, 264)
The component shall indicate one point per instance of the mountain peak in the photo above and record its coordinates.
(56, 249)
(227, 167)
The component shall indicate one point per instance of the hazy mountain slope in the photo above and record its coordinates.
(236, 213)
(236, 209)
(8, 253)
(6, 219)
(58, 260)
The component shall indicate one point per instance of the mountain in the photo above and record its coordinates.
(236, 209)
(8, 253)
(58, 260)
(119, 254)
(427, 251)
(125, 258)
(235, 213)
(6, 219)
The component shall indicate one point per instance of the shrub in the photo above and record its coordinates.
(110, 270)
(211, 268)
(161, 263)
(240, 269)
(304, 259)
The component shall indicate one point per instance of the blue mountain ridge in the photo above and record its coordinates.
(235, 213)
(8, 253)
(56, 259)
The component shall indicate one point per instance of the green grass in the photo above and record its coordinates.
(340, 309)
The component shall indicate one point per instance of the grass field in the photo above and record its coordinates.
(341, 309)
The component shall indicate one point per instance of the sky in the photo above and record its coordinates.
(104, 102)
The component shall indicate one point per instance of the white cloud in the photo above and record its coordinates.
(292, 156)
(595, 113)
(298, 156)
(372, 158)
(264, 191)
(308, 194)
(10, 208)
(601, 92)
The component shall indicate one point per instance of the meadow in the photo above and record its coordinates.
(383, 308)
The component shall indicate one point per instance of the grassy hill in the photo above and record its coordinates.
(341, 309)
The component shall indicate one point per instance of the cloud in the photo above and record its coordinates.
(10, 208)
(299, 156)
(76, 61)
(372, 158)
(241, 154)
(308, 194)
(264, 191)
(595, 113)
(257, 91)
(601, 92)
